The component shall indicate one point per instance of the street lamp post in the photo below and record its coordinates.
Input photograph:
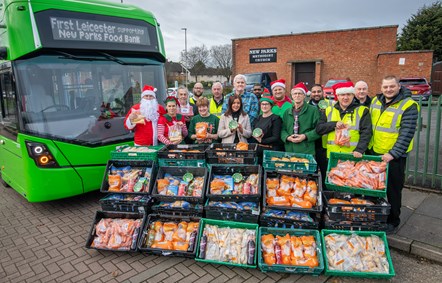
(185, 49)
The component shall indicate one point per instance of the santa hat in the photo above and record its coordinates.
(301, 86)
(345, 87)
(149, 90)
(280, 82)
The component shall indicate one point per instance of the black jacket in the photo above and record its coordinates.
(408, 123)
(365, 131)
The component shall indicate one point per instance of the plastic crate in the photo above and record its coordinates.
(245, 170)
(182, 162)
(356, 212)
(195, 210)
(354, 225)
(179, 172)
(155, 217)
(278, 174)
(382, 235)
(225, 153)
(126, 203)
(269, 164)
(231, 214)
(290, 268)
(281, 222)
(114, 215)
(134, 164)
(229, 224)
(333, 161)
(118, 154)
(173, 151)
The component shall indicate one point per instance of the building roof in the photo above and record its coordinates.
(315, 32)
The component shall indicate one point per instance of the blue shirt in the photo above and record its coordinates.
(249, 105)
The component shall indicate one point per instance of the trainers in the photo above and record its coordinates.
(391, 229)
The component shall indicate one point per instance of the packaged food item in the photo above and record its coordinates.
(362, 174)
(292, 191)
(257, 132)
(175, 133)
(115, 234)
(242, 146)
(201, 130)
(342, 136)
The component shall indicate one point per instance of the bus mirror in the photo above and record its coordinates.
(3, 52)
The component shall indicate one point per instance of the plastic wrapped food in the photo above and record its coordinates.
(201, 130)
(342, 136)
(172, 236)
(115, 234)
(363, 174)
(292, 192)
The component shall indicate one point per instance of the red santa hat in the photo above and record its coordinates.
(280, 82)
(149, 90)
(266, 92)
(301, 86)
(345, 87)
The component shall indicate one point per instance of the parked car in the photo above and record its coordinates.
(328, 90)
(172, 91)
(418, 86)
(263, 78)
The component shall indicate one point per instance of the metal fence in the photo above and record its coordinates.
(423, 166)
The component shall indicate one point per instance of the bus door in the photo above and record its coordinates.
(10, 150)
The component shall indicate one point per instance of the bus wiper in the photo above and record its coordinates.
(121, 62)
(71, 56)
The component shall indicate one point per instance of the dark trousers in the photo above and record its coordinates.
(396, 180)
(321, 159)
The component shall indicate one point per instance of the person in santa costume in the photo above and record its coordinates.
(282, 101)
(143, 118)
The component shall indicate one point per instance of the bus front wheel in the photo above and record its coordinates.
(6, 185)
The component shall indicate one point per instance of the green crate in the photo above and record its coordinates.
(333, 161)
(120, 155)
(382, 235)
(290, 268)
(182, 162)
(229, 224)
(300, 167)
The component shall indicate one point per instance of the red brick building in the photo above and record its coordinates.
(359, 54)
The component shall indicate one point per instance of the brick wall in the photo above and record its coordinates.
(414, 64)
(349, 53)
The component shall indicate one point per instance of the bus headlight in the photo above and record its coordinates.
(42, 156)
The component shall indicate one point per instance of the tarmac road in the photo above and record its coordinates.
(44, 242)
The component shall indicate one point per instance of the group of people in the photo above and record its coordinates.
(357, 124)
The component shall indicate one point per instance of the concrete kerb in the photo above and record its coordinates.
(416, 248)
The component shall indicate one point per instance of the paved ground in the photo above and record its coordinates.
(44, 242)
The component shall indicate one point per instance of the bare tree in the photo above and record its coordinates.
(196, 59)
(222, 58)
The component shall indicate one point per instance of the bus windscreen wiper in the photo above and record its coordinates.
(119, 61)
(74, 57)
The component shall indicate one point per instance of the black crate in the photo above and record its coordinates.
(155, 217)
(281, 222)
(226, 153)
(356, 212)
(195, 210)
(126, 203)
(231, 214)
(173, 151)
(278, 174)
(134, 164)
(354, 225)
(179, 172)
(245, 170)
(114, 215)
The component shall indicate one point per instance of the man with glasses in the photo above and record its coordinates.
(299, 123)
(257, 90)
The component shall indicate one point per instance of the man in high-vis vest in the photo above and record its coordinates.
(394, 118)
(349, 117)
(216, 102)
(317, 99)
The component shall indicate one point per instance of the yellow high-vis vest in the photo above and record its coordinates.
(386, 125)
(351, 119)
(215, 110)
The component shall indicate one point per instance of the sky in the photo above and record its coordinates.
(217, 22)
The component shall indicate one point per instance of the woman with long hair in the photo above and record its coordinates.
(234, 125)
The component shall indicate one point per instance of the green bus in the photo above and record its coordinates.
(69, 72)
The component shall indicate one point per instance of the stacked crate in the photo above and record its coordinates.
(352, 208)
(277, 164)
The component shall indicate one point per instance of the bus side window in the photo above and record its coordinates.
(8, 102)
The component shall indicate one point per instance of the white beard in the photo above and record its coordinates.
(149, 109)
